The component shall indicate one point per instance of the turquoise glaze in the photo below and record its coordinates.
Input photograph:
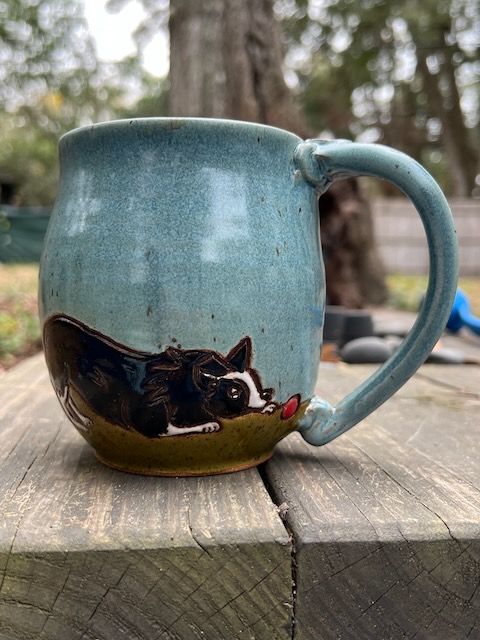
(176, 235)
(324, 162)
(190, 232)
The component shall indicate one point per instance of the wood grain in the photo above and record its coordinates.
(386, 519)
(90, 553)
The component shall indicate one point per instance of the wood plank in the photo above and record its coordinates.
(386, 519)
(457, 377)
(88, 552)
(435, 412)
(466, 342)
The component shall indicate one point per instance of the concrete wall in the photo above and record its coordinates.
(401, 238)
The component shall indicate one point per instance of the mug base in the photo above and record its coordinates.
(181, 473)
(240, 443)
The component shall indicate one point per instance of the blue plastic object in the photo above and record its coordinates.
(461, 316)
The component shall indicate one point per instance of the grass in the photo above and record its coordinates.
(20, 330)
(19, 326)
(406, 291)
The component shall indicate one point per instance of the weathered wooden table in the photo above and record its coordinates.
(375, 536)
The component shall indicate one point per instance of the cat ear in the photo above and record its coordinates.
(240, 356)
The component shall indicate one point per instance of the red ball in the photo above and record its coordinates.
(290, 407)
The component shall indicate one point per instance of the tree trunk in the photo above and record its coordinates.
(446, 105)
(226, 62)
(461, 158)
(354, 272)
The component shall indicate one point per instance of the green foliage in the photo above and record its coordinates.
(18, 328)
(391, 71)
(52, 82)
(407, 291)
(19, 325)
(45, 46)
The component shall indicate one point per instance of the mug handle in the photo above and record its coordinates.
(323, 162)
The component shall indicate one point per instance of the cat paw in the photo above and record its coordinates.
(210, 427)
(269, 408)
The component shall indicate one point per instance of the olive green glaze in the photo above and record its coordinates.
(241, 443)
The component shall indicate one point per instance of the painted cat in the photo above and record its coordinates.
(171, 393)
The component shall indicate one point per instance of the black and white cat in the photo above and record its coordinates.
(175, 392)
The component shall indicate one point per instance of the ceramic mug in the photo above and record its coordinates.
(182, 290)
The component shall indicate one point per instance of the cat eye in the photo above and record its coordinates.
(267, 394)
(234, 393)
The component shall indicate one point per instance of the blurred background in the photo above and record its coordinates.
(397, 72)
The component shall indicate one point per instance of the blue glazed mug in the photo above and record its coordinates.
(182, 290)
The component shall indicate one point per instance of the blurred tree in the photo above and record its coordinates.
(440, 58)
(45, 47)
(226, 61)
(403, 72)
(51, 82)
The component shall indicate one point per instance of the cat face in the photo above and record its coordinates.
(231, 386)
(236, 393)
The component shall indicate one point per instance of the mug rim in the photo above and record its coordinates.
(171, 123)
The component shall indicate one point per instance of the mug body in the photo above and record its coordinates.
(182, 292)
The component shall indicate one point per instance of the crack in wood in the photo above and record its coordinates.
(411, 494)
(102, 601)
(344, 569)
(17, 527)
(52, 608)
(371, 605)
(224, 606)
(194, 537)
(469, 634)
(283, 509)
(435, 617)
(50, 444)
(456, 389)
